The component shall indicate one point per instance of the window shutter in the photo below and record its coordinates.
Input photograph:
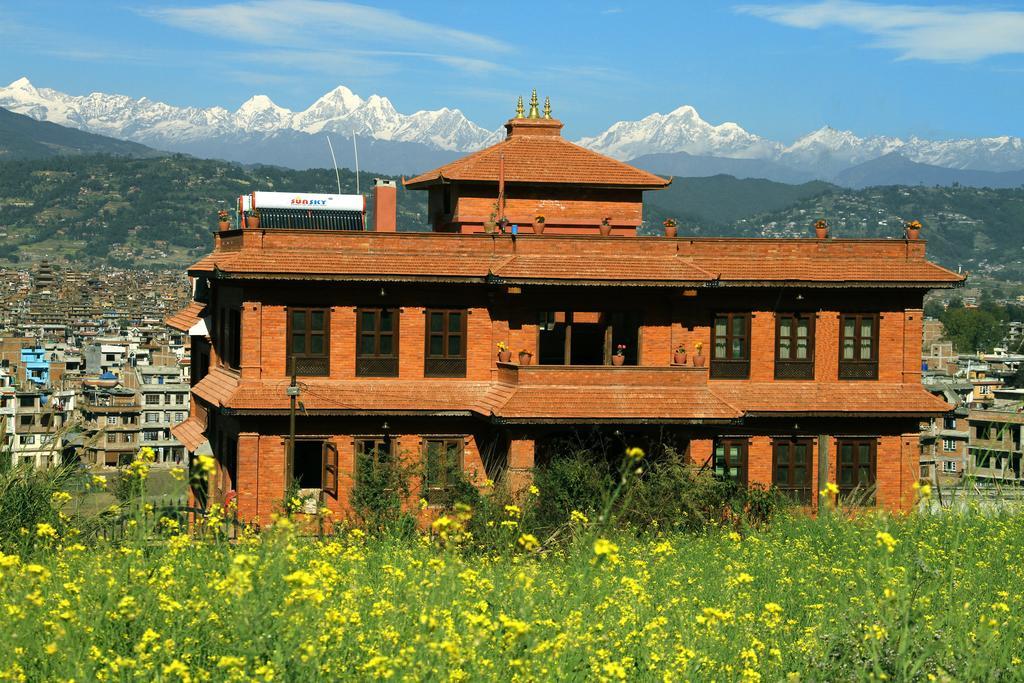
(329, 479)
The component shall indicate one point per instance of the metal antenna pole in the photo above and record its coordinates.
(335, 162)
(355, 150)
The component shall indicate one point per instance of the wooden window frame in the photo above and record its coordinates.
(308, 364)
(854, 443)
(377, 364)
(726, 443)
(794, 368)
(730, 366)
(330, 475)
(445, 365)
(375, 439)
(801, 493)
(857, 368)
(438, 494)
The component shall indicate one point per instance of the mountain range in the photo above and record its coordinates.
(22, 137)
(677, 143)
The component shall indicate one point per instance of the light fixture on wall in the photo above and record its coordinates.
(385, 426)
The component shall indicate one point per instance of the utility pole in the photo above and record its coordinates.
(293, 395)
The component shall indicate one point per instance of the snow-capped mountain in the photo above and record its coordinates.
(155, 123)
(823, 153)
(417, 141)
(681, 130)
(829, 151)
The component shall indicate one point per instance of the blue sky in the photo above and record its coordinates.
(778, 68)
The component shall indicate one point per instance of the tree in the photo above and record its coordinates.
(973, 329)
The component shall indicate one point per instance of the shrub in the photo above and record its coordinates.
(27, 501)
(380, 488)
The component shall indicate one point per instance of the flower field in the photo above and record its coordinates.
(925, 597)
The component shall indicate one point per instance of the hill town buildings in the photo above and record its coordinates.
(802, 356)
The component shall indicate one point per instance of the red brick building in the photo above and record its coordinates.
(813, 346)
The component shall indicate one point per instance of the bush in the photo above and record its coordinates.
(380, 487)
(27, 501)
(665, 491)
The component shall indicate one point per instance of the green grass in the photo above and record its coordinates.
(91, 498)
(802, 599)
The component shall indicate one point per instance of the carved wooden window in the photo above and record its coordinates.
(730, 346)
(309, 341)
(377, 339)
(855, 470)
(445, 343)
(794, 346)
(858, 346)
(792, 468)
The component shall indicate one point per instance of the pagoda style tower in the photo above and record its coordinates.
(538, 181)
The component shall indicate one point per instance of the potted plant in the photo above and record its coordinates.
(671, 227)
(224, 219)
(821, 228)
(913, 229)
(619, 357)
(606, 226)
(679, 357)
(525, 357)
(698, 355)
(538, 225)
(504, 355)
(252, 219)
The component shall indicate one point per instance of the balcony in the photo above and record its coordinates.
(601, 375)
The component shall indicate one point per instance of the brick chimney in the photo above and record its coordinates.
(385, 205)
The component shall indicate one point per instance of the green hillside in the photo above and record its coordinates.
(22, 137)
(717, 201)
(158, 212)
(978, 228)
(161, 211)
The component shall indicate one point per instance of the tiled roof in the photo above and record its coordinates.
(440, 257)
(372, 396)
(591, 267)
(541, 159)
(828, 268)
(831, 398)
(184, 319)
(217, 387)
(190, 433)
(348, 264)
(616, 402)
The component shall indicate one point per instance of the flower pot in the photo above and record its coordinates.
(618, 360)
(224, 225)
(606, 229)
(538, 228)
(671, 230)
(913, 233)
(821, 233)
(252, 222)
(525, 358)
(504, 356)
(698, 360)
(490, 227)
(679, 358)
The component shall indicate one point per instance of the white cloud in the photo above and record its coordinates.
(941, 34)
(345, 30)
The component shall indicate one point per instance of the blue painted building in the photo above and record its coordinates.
(37, 367)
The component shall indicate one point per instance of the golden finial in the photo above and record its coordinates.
(519, 108)
(534, 111)
(547, 107)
